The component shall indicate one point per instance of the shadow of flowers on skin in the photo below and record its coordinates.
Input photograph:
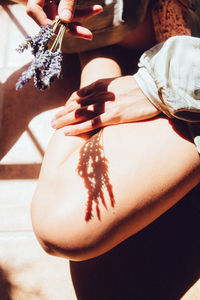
(93, 168)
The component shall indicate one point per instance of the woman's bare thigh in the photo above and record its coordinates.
(94, 192)
(111, 186)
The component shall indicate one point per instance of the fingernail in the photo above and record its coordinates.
(83, 92)
(86, 33)
(66, 15)
(97, 7)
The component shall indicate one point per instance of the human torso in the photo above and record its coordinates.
(138, 24)
(118, 19)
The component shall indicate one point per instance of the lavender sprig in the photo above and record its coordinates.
(53, 69)
(47, 63)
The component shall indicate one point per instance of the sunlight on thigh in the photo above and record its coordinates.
(130, 167)
(111, 186)
(134, 172)
(151, 167)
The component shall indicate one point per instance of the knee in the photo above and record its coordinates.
(62, 230)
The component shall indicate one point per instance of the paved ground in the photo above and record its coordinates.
(26, 272)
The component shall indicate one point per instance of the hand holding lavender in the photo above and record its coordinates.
(47, 63)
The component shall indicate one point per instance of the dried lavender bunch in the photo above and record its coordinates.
(47, 63)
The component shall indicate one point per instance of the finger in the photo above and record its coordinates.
(74, 117)
(77, 30)
(65, 110)
(87, 126)
(60, 114)
(70, 105)
(97, 108)
(74, 96)
(97, 86)
(86, 90)
(35, 11)
(96, 98)
(66, 10)
(87, 12)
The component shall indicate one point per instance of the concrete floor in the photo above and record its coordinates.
(26, 272)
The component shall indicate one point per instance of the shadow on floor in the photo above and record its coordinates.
(19, 107)
(10, 290)
(160, 262)
(19, 171)
(5, 285)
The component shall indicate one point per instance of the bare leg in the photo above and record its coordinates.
(141, 170)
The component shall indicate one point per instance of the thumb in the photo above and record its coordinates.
(66, 10)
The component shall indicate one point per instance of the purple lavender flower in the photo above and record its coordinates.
(38, 80)
(40, 41)
(26, 75)
(53, 69)
(25, 45)
(47, 64)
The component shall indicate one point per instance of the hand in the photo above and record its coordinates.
(104, 102)
(44, 12)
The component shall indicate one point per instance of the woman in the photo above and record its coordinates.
(97, 189)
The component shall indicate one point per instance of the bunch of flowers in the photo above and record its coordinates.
(47, 63)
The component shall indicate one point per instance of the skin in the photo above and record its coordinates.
(121, 98)
(150, 152)
(151, 164)
(121, 102)
(45, 12)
